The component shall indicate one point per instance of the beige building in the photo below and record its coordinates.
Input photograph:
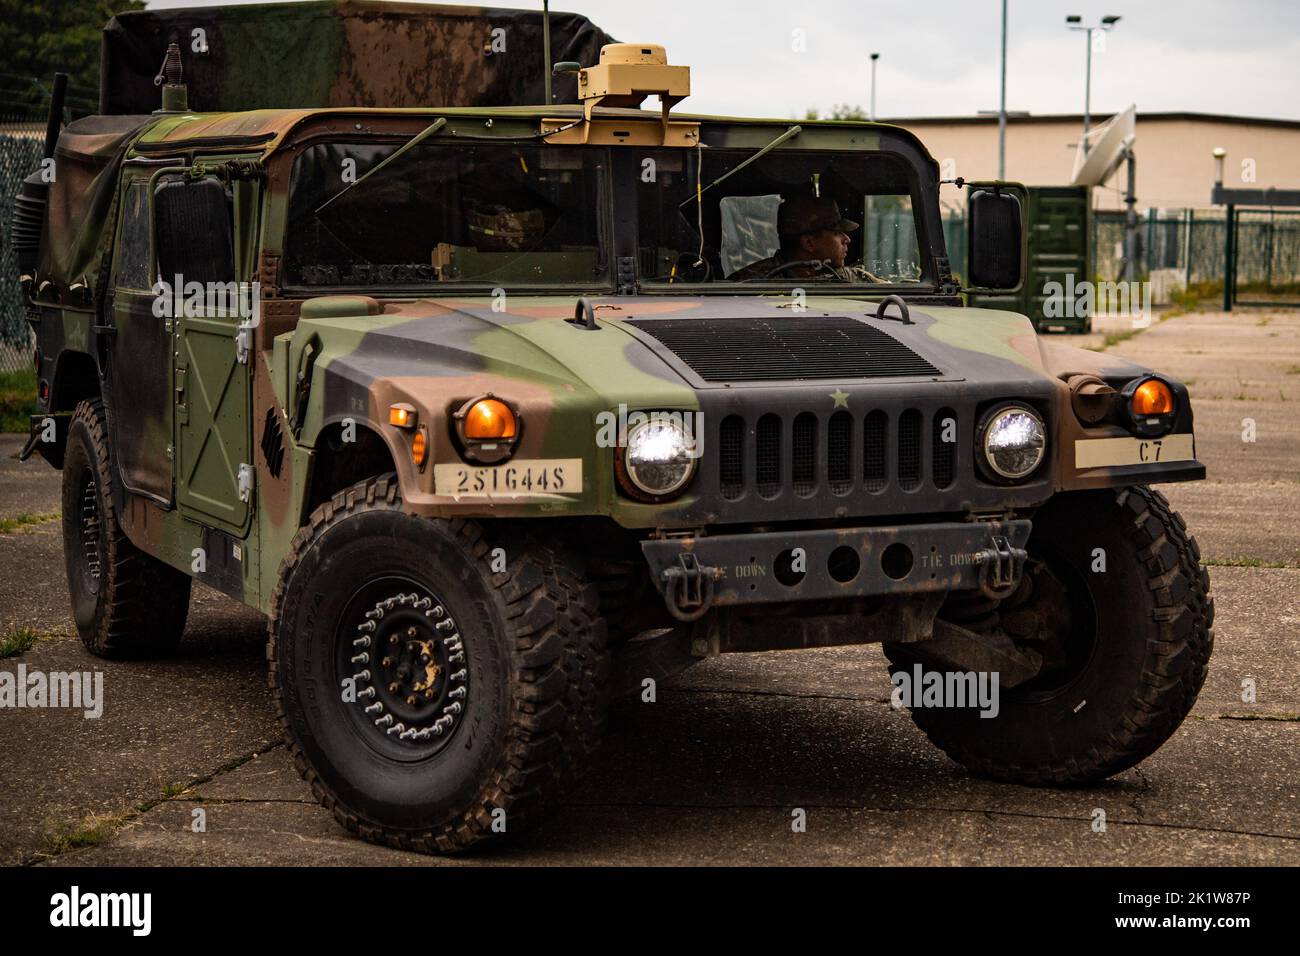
(1175, 165)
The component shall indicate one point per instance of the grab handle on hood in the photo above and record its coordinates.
(904, 316)
(584, 316)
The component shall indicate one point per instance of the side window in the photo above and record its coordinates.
(133, 249)
(194, 231)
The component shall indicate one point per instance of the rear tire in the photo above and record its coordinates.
(1137, 641)
(521, 650)
(126, 603)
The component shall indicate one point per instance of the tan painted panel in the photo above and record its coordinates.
(525, 478)
(1104, 452)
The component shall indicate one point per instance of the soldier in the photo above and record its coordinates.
(813, 232)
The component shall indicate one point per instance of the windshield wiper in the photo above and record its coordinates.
(414, 141)
(792, 132)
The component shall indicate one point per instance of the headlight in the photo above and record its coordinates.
(659, 458)
(1014, 441)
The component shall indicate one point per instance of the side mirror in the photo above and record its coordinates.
(996, 238)
(194, 231)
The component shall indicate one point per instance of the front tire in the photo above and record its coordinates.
(430, 698)
(1126, 648)
(126, 603)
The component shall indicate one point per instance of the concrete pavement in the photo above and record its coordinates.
(712, 772)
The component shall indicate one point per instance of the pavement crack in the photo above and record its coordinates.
(108, 825)
(1276, 718)
(224, 801)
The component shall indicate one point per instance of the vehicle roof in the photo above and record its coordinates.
(265, 130)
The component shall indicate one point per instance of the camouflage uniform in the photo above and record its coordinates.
(845, 273)
(799, 216)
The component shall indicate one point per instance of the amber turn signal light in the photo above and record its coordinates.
(489, 419)
(419, 448)
(1152, 397)
(402, 415)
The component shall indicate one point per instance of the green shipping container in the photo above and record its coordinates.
(1059, 251)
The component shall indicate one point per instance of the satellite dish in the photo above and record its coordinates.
(1107, 145)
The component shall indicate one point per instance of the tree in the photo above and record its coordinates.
(840, 111)
(40, 38)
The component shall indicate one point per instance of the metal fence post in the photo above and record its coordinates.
(1229, 256)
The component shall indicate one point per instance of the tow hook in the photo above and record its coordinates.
(688, 587)
(1000, 567)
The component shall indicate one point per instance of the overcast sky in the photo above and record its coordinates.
(940, 57)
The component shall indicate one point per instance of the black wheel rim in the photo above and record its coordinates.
(402, 652)
(1066, 606)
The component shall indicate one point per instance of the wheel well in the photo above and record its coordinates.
(343, 460)
(75, 379)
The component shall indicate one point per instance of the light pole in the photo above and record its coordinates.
(546, 49)
(1003, 115)
(871, 114)
(1074, 22)
(1002, 102)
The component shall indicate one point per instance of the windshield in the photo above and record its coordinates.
(481, 214)
(836, 217)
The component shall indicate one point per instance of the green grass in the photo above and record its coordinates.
(10, 525)
(1114, 338)
(16, 641)
(1190, 299)
(174, 790)
(93, 830)
(17, 401)
(1246, 563)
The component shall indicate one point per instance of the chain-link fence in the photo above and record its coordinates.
(1191, 243)
(22, 137)
(1185, 248)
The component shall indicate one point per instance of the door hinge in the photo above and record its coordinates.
(245, 482)
(244, 341)
(628, 284)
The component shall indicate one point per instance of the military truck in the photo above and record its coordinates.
(471, 403)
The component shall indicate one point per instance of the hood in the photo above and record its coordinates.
(534, 344)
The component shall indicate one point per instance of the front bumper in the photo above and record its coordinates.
(696, 573)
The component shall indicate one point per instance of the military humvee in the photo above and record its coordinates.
(498, 413)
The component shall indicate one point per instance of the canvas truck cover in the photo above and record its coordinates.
(88, 156)
(342, 53)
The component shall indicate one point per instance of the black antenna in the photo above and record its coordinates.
(55, 120)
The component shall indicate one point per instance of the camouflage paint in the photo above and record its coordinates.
(435, 352)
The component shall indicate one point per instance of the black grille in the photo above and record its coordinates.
(797, 348)
(909, 450)
(822, 454)
(731, 457)
(944, 447)
(839, 453)
(803, 468)
(874, 473)
(768, 456)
